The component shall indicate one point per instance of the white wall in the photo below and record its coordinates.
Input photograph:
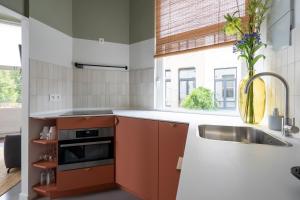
(10, 120)
(49, 45)
(100, 87)
(141, 81)
(50, 68)
(286, 62)
(142, 54)
(108, 53)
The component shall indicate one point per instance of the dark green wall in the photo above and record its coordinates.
(141, 20)
(120, 21)
(55, 13)
(108, 19)
(20, 6)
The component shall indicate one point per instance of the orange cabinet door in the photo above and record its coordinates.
(85, 122)
(137, 156)
(172, 139)
(86, 177)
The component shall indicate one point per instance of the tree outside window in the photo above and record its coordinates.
(10, 87)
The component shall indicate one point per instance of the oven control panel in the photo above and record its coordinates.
(85, 133)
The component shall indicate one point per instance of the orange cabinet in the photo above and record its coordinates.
(137, 156)
(84, 178)
(172, 139)
(85, 122)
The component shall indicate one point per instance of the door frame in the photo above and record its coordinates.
(25, 99)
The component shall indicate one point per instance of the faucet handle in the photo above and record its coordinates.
(294, 129)
(289, 127)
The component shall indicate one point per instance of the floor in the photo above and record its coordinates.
(7, 181)
(109, 195)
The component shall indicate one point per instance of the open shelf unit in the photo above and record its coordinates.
(45, 190)
(45, 164)
(45, 142)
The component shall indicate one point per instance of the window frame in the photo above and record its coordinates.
(167, 80)
(185, 79)
(225, 80)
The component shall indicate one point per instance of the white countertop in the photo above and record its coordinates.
(215, 170)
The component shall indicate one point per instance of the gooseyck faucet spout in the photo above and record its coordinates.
(288, 124)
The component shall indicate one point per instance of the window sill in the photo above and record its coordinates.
(232, 113)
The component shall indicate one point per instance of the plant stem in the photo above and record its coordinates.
(249, 111)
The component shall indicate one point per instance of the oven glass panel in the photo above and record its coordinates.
(84, 151)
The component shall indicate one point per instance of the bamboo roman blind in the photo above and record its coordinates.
(185, 25)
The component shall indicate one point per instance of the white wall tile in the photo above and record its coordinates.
(104, 88)
(46, 79)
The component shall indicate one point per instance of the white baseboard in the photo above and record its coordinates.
(23, 196)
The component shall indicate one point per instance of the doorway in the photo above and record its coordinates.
(10, 101)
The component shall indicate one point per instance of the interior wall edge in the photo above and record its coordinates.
(49, 44)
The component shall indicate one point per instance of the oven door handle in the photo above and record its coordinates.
(85, 143)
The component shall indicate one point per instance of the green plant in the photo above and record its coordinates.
(248, 34)
(10, 86)
(200, 98)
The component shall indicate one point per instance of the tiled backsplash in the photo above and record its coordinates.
(142, 88)
(46, 79)
(97, 88)
(286, 62)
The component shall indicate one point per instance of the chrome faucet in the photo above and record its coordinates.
(288, 124)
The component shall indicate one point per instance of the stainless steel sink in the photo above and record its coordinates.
(245, 135)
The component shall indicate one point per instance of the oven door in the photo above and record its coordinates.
(82, 153)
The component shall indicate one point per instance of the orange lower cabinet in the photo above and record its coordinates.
(172, 139)
(84, 178)
(137, 156)
(85, 122)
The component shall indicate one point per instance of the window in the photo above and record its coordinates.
(10, 87)
(187, 82)
(168, 88)
(225, 88)
(10, 40)
(203, 87)
(192, 24)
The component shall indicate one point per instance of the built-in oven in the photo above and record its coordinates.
(83, 148)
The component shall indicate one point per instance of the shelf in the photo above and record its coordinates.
(45, 141)
(45, 190)
(45, 164)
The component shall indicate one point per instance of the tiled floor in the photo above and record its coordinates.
(109, 195)
(12, 194)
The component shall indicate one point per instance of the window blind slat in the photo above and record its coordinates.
(184, 25)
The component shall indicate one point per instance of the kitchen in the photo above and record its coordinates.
(120, 119)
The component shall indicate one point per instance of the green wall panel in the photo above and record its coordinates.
(141, 20)
(108, 19)
(16, 5)
(120, 21)
(54, 13)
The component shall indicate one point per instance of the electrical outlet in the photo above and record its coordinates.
(101, 40)
(52, 97)
(58, 97)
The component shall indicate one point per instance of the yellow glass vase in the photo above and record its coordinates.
(252, 105)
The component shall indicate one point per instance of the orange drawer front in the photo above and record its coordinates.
(85, 122)
(87, 177)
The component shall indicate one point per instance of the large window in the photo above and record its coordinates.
(187, 82)
(225, 88)
(190, 33)
(210, 85)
